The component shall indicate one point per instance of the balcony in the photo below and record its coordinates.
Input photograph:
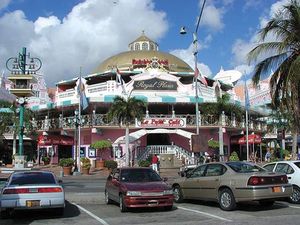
(101, 121)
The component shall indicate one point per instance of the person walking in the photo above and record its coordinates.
(155, 162)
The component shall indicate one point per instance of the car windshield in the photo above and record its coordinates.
(139, 175)
(32, 178)
(243, 167)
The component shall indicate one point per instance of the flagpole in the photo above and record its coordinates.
(247, 123)
(79, 126)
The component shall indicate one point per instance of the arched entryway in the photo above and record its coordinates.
(158, 139)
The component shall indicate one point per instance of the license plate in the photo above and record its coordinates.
(276, 189)
(152, 202)
(32, 203)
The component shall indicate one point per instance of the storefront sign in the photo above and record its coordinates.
(155, 84)
(148, 61)
(162, 123)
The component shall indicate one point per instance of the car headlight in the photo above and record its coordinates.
(134, 193)
(168, 192)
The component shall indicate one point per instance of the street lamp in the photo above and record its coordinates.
(195, 53)
(22, 69)
(76, 121)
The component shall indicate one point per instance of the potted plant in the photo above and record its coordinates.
(46, 160)
(101, 146)
(234, 157)
(85, 165)
(110, 164)
(67, 164)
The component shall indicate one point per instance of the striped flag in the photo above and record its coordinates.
(81, 83)
(199, 76)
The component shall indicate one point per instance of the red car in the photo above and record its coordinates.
(138, 188)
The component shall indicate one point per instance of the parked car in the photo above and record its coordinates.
(292, 170)
(29, 190)
(232, 182)
(137, 188)
(184, 170)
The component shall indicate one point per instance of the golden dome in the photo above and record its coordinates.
(131, 59)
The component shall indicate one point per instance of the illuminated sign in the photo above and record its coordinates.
(154, 84)
(162, 123)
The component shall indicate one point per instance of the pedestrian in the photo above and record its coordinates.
(155, 162)
(268, 155)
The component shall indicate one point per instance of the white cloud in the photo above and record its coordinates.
(212, 17)
(91, 32)
(4, 3)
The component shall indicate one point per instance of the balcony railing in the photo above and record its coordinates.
(101, 120)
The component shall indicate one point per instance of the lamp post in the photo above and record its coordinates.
(22, 69)
(76, 121)
(195, 53)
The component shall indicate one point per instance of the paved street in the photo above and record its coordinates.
(85, 205)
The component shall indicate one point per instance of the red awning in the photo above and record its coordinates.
(252, 139)
(55, 140)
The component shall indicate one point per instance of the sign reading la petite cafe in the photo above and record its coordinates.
(162, 122)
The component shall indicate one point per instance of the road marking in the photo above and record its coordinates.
(204, 213)
(91, 214)
(296, 207)
(288, 205)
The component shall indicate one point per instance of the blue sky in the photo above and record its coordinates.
(67, 34)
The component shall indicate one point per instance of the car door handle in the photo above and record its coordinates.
(289, 178)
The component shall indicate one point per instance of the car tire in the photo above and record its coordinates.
(123, 207)
(168, 208)
(178, 196)
(295, 197)
(5, 214)
(107, 199)
(226, 200)
(266, 203)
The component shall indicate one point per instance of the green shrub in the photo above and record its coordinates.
(234, 157)
(110, 164)
(66, 162)
(46, 159)
(85, 162)
(144, 163)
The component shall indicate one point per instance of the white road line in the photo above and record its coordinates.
(204, 213)
(91, 214)
(296, 207)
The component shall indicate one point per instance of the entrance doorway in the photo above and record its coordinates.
(158, 139)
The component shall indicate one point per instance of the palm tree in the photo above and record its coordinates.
(284, 61)
(126, 110)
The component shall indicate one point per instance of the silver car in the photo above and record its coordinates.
(232, 182)
(32, 190)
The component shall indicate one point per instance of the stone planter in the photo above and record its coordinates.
(67, 170)
(85, 171)
(100, 164)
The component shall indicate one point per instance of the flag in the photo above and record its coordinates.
(247, 101)
(81, 83)
(119, 80)
(201, 77)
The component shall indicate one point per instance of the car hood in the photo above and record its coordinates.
(146, 186)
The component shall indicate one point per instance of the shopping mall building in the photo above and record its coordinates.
(166, 84)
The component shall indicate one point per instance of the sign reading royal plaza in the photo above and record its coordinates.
(162, 123)
(154, 84)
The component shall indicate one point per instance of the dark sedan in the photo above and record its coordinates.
(138, 188)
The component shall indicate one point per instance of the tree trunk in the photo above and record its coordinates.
(127, 145)
(295, 145)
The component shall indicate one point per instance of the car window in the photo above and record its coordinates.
(139, 175)
(284, 168)
(244, 167)
(198, 171)
(297, 164)
(215, 170)
(269, 167)
(32, 178)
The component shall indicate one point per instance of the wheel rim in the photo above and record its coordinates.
(295, 197)
(226, 199)
(176, 193)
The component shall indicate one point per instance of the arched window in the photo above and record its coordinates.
(137, 46)
(152, 47)
(145, 46)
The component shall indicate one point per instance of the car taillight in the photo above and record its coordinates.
(31, 190)
(47, 190)
(254, 181)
